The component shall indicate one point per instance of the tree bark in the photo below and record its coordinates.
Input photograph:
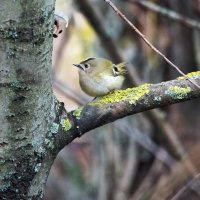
(26, 106)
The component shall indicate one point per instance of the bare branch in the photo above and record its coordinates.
(147, 42)
(191, 23)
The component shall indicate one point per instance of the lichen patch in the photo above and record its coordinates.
(66, 124)
(177, 92)
(77, 112)
(192, 75)
(132, 95)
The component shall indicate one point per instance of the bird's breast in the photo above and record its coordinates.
(99, 86)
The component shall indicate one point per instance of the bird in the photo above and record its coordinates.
(100, 76)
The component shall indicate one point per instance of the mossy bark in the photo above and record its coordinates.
(123, 103)
(26, 106)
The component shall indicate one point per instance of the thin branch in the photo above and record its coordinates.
(123, 103)
(147, 42)
(191, 23)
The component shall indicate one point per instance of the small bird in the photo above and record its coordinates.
(99, 76)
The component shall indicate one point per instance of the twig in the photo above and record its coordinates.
(191, 23)
(147, 42)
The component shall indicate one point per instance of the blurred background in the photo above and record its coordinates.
(153, 155)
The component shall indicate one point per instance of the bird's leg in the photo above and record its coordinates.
(94, 98)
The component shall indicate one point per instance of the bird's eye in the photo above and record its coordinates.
(87, 66)
(115, 68)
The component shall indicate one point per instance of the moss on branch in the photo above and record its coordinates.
(130, 94)
(192, 75)
(126, 102)
(66, 124)
(177, 92)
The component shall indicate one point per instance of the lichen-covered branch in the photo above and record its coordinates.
(123, 103)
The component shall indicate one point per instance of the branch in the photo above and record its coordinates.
(147, 41)
(123, 103)
(173, 143)
(136, 135)
(191, 23)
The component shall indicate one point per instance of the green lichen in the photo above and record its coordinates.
(77, 112)
(132, 95)
(177, 92)
(66, 124)
(193, 75)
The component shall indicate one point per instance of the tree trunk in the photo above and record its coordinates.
(26, 106)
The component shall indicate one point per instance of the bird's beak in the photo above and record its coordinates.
(79, 66)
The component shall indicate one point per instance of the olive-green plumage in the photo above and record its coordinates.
(99, 76)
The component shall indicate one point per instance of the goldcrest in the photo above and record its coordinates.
(99, 76)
